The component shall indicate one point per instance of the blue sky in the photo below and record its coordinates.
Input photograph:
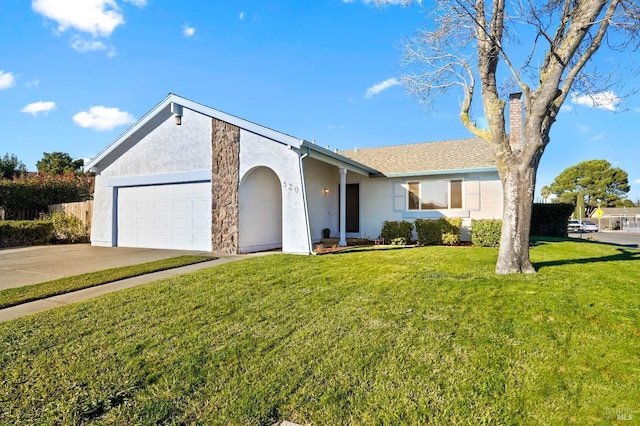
(75, 73)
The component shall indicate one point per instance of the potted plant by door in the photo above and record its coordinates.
(326, 232)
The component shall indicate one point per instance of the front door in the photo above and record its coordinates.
(353, 207)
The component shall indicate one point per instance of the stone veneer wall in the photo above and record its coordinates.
(225, 144)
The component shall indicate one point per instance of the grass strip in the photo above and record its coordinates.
(15, 296)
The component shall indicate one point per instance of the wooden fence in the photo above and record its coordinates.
(83, 210)
(28, 214)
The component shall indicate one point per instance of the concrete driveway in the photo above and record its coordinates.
(31, 265)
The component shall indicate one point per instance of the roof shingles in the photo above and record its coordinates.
(455, 154)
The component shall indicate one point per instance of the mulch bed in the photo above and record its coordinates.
(319, 249)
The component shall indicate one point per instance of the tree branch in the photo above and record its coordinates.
(587, 54)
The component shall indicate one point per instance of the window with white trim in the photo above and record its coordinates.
(434, 195)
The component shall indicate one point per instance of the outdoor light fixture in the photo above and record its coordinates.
(176, 110)
(325, 191)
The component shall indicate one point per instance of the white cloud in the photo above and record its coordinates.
(584, 128)
(6, 80)
(241, 16)
(605, 100)
(637, 181)
(188, 31)
(386, 2)
(103, 118)
(36, 108)
(34, 83)
(97, 17)
(80, 45)
(566, 108)
(336, 127)
(377, 88)
(597, 137)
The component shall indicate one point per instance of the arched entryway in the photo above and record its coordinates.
(260, 202)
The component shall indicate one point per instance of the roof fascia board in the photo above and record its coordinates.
(237, 121)
(332, 161)
(149, 116)
(336, 159)
(442, 172)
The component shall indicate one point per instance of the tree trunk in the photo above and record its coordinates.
(518, 184)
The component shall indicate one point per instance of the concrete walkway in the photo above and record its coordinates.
(36, 306)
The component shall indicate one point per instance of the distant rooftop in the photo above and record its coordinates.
(472, 153)
(614, 211)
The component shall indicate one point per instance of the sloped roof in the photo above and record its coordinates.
(426, 158)
(624, 211)
(165, 109)
(453, 156)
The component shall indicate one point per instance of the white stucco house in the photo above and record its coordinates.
(187, 176)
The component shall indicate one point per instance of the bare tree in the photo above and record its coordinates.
(542, 49)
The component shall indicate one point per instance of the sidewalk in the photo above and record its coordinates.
(41, 305)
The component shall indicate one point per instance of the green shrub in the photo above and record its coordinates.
(452, 230)
(439, 231)
(37, 191)
(396, 229)
(14, 233)
(550, 220)
(486, 233)
(400, 241)
(67, 228)
(429, 232)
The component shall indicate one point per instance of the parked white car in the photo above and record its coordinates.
(589, 227)
(574, 226)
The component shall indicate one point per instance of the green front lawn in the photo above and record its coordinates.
(424, 335)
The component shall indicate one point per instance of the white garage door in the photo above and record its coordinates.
(165, 216)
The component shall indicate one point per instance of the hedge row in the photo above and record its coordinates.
(55, 228)
(550, 220)
(37, 191)
(546, 220)
(25, 232)
(430, 231)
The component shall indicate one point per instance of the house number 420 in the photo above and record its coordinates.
(288, 185)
